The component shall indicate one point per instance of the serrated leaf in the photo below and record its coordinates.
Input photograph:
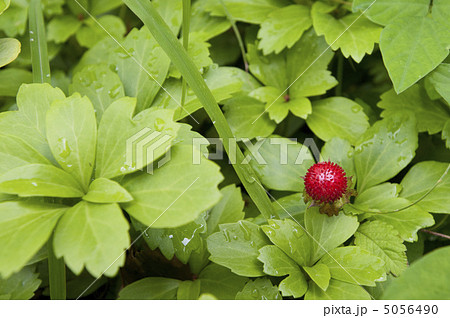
(247, 119)
(72, 136)
(354, 265)
(221, 282)
(180, 241)
(28, 124)
(425, 279)
(40, 180)
(319, 274)
(9, 50)
(354, 34)
(151, 288)
(280, 163)
(382, 240)
(409, 55)
(21, 285)
(199, 52)
(337, 117)
(328, 232)
(277, 263)
(337, 290)
(106, 191)
(113, 144)
(421, 178)
(251, 11)
(24, 226)
(236, 247)
(147, 58)
(291, 238)
(205, 26)
(15, 152)
(61, 28)
(430, 115)
(384, 150)
(101, 85)
(259, 289)
(440, 79)
(177, 192)
(283, 27)
(94, 236)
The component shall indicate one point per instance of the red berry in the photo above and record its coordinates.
(325, 182)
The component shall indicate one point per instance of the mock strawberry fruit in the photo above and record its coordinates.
(328, 187)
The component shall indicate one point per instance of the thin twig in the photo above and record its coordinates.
(436, 234)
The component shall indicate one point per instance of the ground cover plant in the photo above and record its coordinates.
(224, 149)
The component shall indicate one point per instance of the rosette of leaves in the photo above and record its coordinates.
(62, 171)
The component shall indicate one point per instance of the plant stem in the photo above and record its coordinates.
(173, 48)
(436, 234)
(237, 34)
(41, 74)
(185, 30)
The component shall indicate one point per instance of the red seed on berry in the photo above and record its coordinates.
(325, 182)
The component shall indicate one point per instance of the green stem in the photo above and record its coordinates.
(173, 48)
(41, 74)
(186, 26)
(339, 74)
(236, 33)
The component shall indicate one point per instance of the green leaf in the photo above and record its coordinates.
(421, 178)
(221, 282)
(98, 7)
(199, 52)
(15, 152)
(425, 279)
(336, 290)
(247, 119)
(9, 50)
(151, 288)
(180, 241)
(384, 150)
(94, 236)
(283, 27)
(281, 163)
(441, 11)
(382, 240)
(72, 136)
(251, 11)
(440, 79)
(40, 180)
(101, 85)
(446, 133)
(21, 285)
(61, 28)
(236, 247)
(276, 263)
(354, 265)
(11, 79)
(4, 4)
(430, 115)
(25, 226)
(387, 11)
(143, 72)
(106, 191)
(319, 274)
(172, 13)
(203, 25)
(338, 117)
(290, 206)
(91, 32)
(14, 20)
(291, 238)
(354, 34)
(28, 124)
(259, 289)
(228, 210)
(328, 232)
(189, 290)
(134, 133)
(341, 152)
(408, 54)
(177, 192)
